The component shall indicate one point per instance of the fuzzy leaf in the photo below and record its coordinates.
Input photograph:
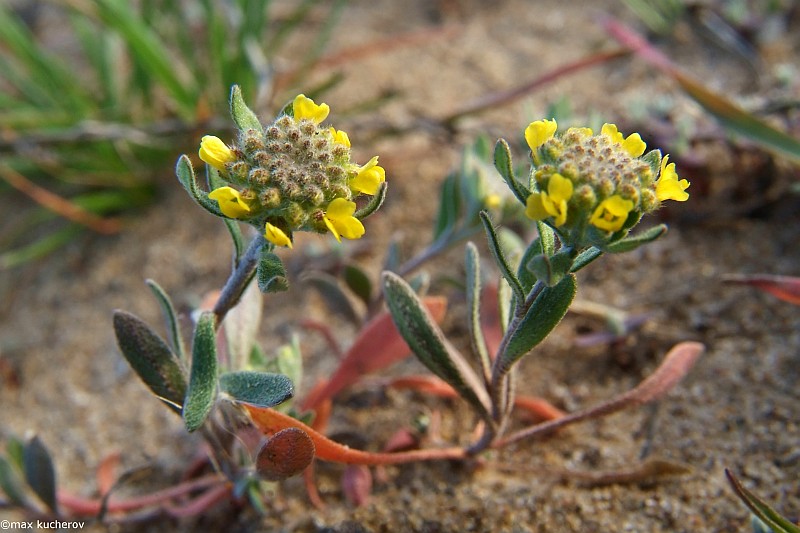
(374, 204)
(427, 342)
(188, 179)
(628, 244)
(358, 282)
(40, 472)
(257, 388)
(150, 358)
(270, 273)
(203, 379)
(500, 258)
(502, 162)
(473, 274)
(585, 257)
(543, 316)
(551, 269)
(242, 115)
(173, 326)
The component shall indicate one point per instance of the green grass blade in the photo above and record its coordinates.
(149, 51)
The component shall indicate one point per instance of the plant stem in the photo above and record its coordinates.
(239, 279)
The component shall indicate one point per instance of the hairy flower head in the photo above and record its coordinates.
(590, 187)
(292, 175)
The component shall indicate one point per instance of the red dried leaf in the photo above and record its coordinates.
(106, 474)
(357, 484)
(787, 288)
(378, 345)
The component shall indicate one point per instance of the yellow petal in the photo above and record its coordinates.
(214, 152)
(559, 188)
(612, 213)
(230, 202)
(611, 131)
(538, 132)
(634, 145)
(668, 186)
(306, 108)
(583, 131)
(332, 228)
(534, 208)
(276, 236)
(369, 178)
(340, 137)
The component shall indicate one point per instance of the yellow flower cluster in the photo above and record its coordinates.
(293, 176)
(589, 181)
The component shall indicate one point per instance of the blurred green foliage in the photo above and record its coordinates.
(97, 99)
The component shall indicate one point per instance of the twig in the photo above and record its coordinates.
(59, 205)
(239, 279)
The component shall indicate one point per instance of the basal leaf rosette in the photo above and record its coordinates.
(292, 175)
(592, 189)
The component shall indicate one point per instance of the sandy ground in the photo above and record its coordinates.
(737, 409)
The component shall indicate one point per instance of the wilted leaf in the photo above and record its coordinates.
(786, 288)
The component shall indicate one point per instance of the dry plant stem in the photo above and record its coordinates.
(89, 507)
(57, 204)
(676, 364)
(501, 387)
(271, 421)
(239, 279)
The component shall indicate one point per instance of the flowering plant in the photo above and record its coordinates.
(585, 192)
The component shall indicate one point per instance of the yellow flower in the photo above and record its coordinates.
(492, 201)
(612, 212)
(369, 178)
(214, 152)
(306, 108)
(276, 236)
(552, 203)
(340, 220)
(583, 131)
(230, 202)
(540, 131)
(668, 186)
(340, 137)
(634, 144)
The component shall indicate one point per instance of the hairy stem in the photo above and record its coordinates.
(239, 279)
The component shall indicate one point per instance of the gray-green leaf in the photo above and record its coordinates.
(150, 358)
(543, 316)
(203, 379)
(628, 244)
(428, 343)
(257, 388)
(270, 273)
(502, 162)
(188, 179)
(40, 472)
(242, 115)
